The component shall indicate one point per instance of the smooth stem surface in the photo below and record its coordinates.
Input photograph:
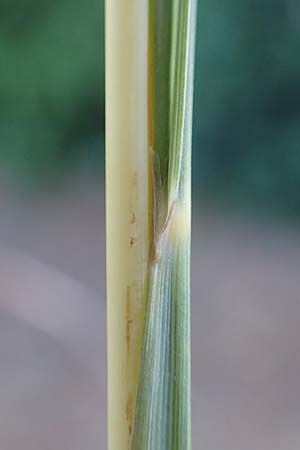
(126, 206)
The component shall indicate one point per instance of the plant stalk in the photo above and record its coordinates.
(126, 207)
(149, 93)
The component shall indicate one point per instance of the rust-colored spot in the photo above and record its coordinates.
(128, 318)
(153, 254)
(133, 218)
(129, 412)
(132, 241)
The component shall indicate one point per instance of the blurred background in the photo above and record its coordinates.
(246, 237)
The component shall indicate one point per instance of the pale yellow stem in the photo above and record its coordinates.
(126, 206)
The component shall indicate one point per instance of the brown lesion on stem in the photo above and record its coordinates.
(128, 318)
(132, 241)
(132, 218)
(133, 201)
(129, 412)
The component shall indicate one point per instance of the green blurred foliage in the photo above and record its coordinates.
(51, 84)
(247, 95)
(247, 116)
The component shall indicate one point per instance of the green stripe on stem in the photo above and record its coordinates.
(162, 413)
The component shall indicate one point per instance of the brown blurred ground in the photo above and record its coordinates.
(245, 317)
